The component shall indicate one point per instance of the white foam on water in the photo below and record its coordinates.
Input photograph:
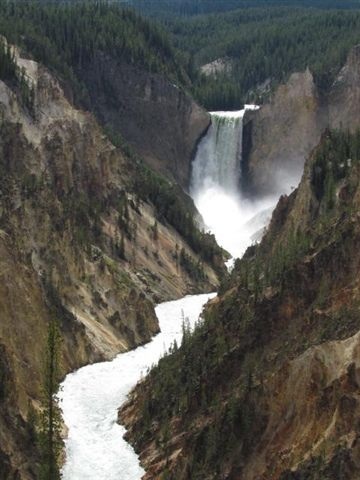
(215, 185)
(91, 396)
(233, 221)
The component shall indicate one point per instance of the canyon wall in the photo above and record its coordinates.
(160, 121)
(279, 136)
(77, 245)
(269, 384)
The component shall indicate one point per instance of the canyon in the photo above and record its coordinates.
(85, 239)
(268, 386)
(78, 244)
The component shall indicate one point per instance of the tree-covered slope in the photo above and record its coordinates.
(259, 42)
(262, 45)
(66, 37)
(266, 386)
(198, 7)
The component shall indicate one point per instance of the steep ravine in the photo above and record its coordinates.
(78, 244)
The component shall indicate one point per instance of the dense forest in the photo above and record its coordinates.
(66, 36)
(260, 42)
(197, 7)
(259, 45)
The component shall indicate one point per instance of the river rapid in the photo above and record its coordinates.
(91, 396)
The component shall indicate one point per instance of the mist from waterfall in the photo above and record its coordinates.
(215, 186)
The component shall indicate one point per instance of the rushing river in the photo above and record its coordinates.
(91, 396)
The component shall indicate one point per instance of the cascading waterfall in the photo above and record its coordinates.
(215, 185)
(218, 160)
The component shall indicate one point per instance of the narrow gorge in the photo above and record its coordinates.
(90, 397)
(238, 220)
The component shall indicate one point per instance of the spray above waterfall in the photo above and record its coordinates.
(215, 185)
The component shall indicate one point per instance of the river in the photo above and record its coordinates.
(91, 396)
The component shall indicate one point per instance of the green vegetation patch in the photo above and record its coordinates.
(264, 44)
(67, 36)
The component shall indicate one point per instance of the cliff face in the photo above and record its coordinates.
(279, 136)
(344, 97)
(269, 380)
(158, 119)
(283, 132)
(76, 244)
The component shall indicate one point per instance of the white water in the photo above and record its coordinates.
(90, 397)
(215, 186)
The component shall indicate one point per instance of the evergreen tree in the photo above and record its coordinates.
(50, 420)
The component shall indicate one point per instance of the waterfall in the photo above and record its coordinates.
(218, 159)
(215, 185)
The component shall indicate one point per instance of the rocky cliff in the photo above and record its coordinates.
(156, 117)
(279, 136)
(268, 383)
(122, 68)
(78, 244)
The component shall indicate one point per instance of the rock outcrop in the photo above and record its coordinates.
(279, 136)
(282, 133)
(344, 98)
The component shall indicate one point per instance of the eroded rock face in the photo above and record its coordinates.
(344, 98)
(158, 119)
(279, 136)
(319, 420)
(283, 132)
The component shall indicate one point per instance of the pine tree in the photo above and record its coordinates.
(50, 420)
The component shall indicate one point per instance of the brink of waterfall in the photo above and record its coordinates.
(215, 185)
